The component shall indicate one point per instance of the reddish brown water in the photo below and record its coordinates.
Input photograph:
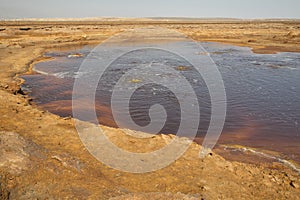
(263, 97)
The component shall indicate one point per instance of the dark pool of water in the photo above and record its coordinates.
(263, 94)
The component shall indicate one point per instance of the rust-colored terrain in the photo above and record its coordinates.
(42, 157)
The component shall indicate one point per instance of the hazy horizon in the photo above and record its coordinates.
(255, 9)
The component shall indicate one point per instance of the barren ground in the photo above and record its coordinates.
(42, 157)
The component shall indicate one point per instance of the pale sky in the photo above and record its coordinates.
(150, 8)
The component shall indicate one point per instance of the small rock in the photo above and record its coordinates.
(294, 185)
(182, 68)
(135, 81)
(75, 55)
(67, 118)
(205, 188)
(167, 138)
(24, 29)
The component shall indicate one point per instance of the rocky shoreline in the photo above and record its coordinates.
(42, 157)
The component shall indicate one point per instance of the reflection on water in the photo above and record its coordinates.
(263, 94)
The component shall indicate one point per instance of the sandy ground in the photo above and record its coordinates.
(42, 157)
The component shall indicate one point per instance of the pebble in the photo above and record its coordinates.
(294, 185)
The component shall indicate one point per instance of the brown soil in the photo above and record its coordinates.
(42, 157)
